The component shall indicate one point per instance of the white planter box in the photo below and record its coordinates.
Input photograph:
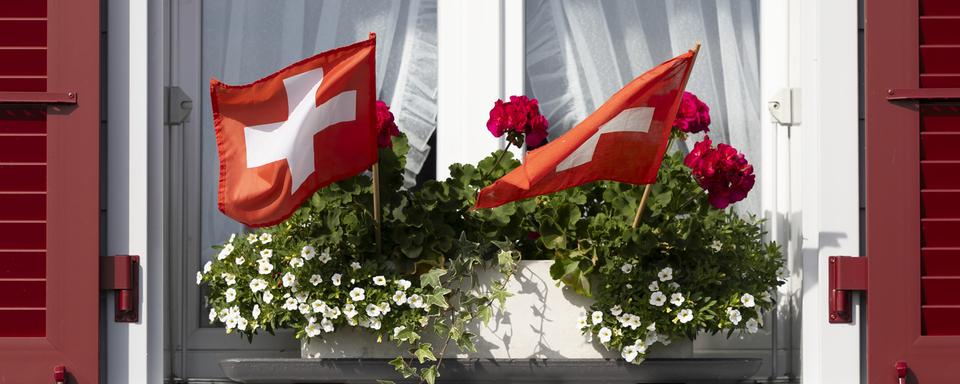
(539, 322)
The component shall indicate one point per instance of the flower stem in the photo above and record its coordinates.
(496, 162)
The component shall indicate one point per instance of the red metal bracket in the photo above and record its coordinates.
(38, 97)
(121, 274)
(847, 274)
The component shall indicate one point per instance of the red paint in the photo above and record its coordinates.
(940, 174)
(940, 145)
(940, 80)
(940, 204)
(940, 232)
(939, 7)
(941, 320)
(941, 262)
(941, 290)
(939, 30)
(59, 278)
(941, 121)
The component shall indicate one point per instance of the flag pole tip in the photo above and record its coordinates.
(373, 35)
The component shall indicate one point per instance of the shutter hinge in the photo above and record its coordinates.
(785, 106)
(121, 274)
(847, 274)
(178, 106)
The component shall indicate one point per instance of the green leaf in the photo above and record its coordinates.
(424, 352)
(400, 365)
(429, 374)
(432, 278)
(436, 300)
(484, 314)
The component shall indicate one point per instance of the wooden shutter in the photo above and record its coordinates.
(49, 190)
(912, 97)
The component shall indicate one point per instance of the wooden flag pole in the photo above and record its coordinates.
(377, 219)
(646, 188)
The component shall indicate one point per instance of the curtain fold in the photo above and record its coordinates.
(579, 52)
(245, 40)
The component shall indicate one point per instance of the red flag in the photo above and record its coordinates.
(624, 140)
(300, 129)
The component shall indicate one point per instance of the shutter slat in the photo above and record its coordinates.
(23, 265)
(940, 7)
(22, 236)
(940, 204)
(932, 121)
(940, 174)
(941, 290)
(939, 58)
(25, 121)
(940, 232)
(23, 294)
(941, 320)
(23, 33)
(30, 62)
(23, 149)
(940, 261)
(23, 178)
(940, 80)
(940, 30)
(23, 322)
(23, 207)
(940, 145)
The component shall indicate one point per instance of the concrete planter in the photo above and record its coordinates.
(539, 322)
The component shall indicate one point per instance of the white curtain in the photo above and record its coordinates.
(245, 40)
(579, 52)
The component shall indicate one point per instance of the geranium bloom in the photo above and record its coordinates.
(386, 127)
(693, 115)
(722, 171)
(517, 118)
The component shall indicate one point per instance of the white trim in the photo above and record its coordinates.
(480, 54)
(829, 184)
(134, 118)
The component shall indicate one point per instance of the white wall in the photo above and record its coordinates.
(134, 351)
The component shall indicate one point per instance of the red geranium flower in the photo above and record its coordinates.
(722, 171)
(693, 115)
(520, 120)
(386, 127)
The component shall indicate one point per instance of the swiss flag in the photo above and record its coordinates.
(302, 128)
(624, 140)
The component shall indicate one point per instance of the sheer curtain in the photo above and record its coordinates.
(579, 52)
(244, 40)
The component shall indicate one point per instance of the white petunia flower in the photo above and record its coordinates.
(380, 280)
(289, 279)
(335, 279)
(654, 286)
(597, 317)
(290, 304)
(239, 260)
(213, 315)
(747, 300)
(658, 298)
(373, 310)
(315, 280)
(384, 307)
(304, 308)
(267, 296)
(256, 311)
(233, 236)
(251, 238)
(208, 267)
(296, 262)
(230, 294)
(308, 252)
(257, 285)
(629, 353)
(640, 346)
(399, 298)
(616, 310)
(716, 245)
(582, 322)
(266, 253)
(327, 325)
(357, 294)
(752, 325)
(673, 285)
(665, 274)
(734, 316)
(604, 335)
(352, 321)
(626, 268)
(403, 284)
(651, 338)
(685, 316)
(229, 278)
(397, 330)
(677, 299)
(266, 238)
(349, 310)
(199, 277)
(324, 257)
(331, 313)
(312, 329)
(415, 301)
(301, 297)
(355, 265)
(375, 323)
(225, 252)
(652, 327)
(241, 324)
(633, 322)
(230, 323)
(783, 273)
(264, 267)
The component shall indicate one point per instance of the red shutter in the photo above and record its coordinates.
(912, 96)
(49, 190)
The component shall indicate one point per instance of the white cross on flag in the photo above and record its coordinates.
(300, 129)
